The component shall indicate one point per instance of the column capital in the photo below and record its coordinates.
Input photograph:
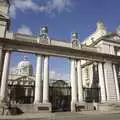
(4, 51)
(46, 56)
(37, 54)
(78, 60)
(71, 58)
(108, 61)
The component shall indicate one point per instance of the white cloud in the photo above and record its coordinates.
(53, 75)
(26, 5)
(12, 11)
(59, 5)
(24, 30)
(50, 6)
(58, 76)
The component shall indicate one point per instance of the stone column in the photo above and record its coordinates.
(102, 82)
(1, 62)
(5, 76)
(38, 82)
(73, 86)
(80, 88)
(110, 82)
(116, 82)
(46, 81)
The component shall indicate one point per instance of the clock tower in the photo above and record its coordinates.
(4, 17)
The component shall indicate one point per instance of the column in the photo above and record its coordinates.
(46, 81)
(110, 82)
(38, 82)
(5, 77)
(73, 86)
(116, 82)
(102, 82)
(1, 62)
(80, 88)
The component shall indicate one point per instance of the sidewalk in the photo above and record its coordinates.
(57, 115)
(98, 112)
(36, 116)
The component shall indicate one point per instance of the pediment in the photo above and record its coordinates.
(112, 37)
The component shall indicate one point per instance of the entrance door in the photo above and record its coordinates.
(60, 96)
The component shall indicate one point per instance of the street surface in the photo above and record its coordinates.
(84, 115)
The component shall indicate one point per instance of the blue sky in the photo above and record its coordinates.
(62, 17)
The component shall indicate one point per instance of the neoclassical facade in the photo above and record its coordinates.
(94, 67)
(21, 84)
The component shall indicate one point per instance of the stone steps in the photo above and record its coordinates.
(34, 108)
(86, 107)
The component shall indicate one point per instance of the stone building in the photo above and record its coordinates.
(94, 71)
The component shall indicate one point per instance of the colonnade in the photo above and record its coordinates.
(42, 91)
(108, 80)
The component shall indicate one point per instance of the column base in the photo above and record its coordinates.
(80, 106)
(37, 102)
(45, 102)
(44, 107)
(102, 102)
(73, 106)
(81, 102)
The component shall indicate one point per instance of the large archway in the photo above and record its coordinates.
(21, 79)
(59, 84)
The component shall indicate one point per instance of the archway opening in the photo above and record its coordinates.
(21, 78)
(59, 84)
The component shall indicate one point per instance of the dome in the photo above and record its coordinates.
(100, 24)
(24, 67)
(24, 63)
(74, 35)
(44, 30)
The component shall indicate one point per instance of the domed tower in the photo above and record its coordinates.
(101, 29)
(24, 68)
(100, 25)
(118, 30)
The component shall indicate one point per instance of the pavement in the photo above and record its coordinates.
(84, 115)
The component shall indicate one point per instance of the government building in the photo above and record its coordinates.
(94, 82)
